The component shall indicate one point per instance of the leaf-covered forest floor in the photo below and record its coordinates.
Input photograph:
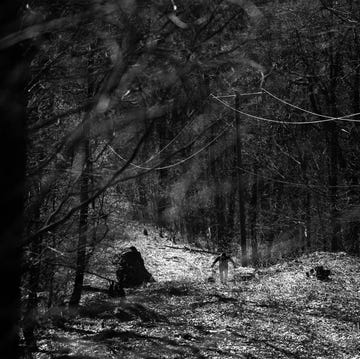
(280, 313)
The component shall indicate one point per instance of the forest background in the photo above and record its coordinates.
(229, 125)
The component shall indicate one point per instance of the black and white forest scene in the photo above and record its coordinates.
(180, 179)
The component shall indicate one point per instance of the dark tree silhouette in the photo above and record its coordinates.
(13, 67)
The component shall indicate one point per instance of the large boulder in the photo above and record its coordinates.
(131, 271)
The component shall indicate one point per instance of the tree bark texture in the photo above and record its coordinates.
(241, 195)
(83, 228)
(254, 209)
(85, 165)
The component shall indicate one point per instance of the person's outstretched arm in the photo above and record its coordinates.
(232, 261)
(215, 261)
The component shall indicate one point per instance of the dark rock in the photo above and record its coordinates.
(131, 271)
(320, 273)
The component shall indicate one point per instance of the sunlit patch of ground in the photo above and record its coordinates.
(280, 313)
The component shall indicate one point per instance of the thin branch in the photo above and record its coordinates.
(57, 210)
(108, 183)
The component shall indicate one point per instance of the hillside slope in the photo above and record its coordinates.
(279, 314)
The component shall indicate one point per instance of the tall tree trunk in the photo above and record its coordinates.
(222, 238)
(83, 225)
(241, 194)
(230, 223)
(356, 77)
(142, 211)
(333, 170)
(333, 145)
(307, 201)
(51, 274)
(308, 224)
(34, 269)
(254, 208)
(13, 78)
(162, 131)
(353, 231)
(86, 168)
(218, 222)
(333, 182)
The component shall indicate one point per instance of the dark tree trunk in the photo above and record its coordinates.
(51, 274)
(333, 144)
(241, 193)
(333, 169)
(254, 209)
(83, 227)
(230, 223)
(222, 238)
(162, 131)
(307, 201)
(86, 168)
(356, 80)
(13, 73)
(218, 223)
(140, 183)
(354, 227)
(307, 231)
(34, 269)
(333, 182)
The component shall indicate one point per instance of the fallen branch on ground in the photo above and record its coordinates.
(185, 248)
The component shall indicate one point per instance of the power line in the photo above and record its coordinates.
(259, 118)
(342, 118)
(172, 141)
(125, 160)
(299, 184)
(176, 163)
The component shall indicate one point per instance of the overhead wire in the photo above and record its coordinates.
(176, 163)
(342, 118)
(263, 118)
(260, 118)
(326, 118)
(171, 142)
(298, 184)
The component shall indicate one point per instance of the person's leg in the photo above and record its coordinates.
(225, 275)
(221, 271)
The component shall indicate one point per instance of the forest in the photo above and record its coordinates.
(183, 129)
